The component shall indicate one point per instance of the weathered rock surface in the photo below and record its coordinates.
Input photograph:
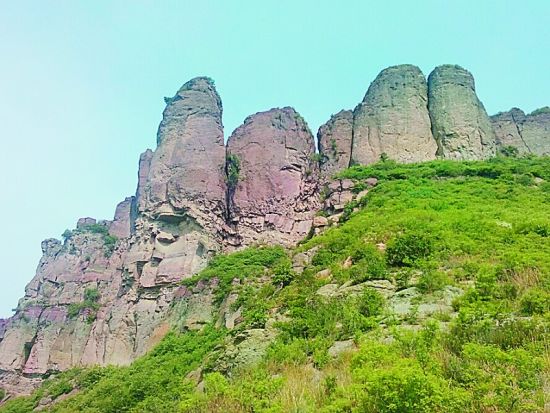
(527, 133)
(185, 175)
(195, 197)
(275, 196)
(122, 224)
(334, 140)
(460, 124)
(393, 119)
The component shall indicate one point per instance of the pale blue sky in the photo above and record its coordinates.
(82, 84)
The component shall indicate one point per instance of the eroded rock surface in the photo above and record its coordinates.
(274, 197)
(527, 133)
(393, 119)
(460, 125)
(334, 140)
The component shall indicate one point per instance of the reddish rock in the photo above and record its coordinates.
(186, 171)
(82, 222)
(121, 226)
(275, 196)
(335, 139)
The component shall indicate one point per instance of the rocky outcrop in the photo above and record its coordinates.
(393, 119)
(527, 133)
(112, 289)
(272, 177)
(122, 224)
(185, 175)
(334, 139)
(460, 124)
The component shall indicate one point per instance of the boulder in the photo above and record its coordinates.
(460, 124)
(393, 119)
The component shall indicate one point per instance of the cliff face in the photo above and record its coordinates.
(393, 119)
(460, 124)
(275, 192)
(111, 289)
(527, 133)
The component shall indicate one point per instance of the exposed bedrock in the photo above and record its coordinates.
(274, 195)
(334, 140)
(460, 125)
(393, 119)
(528, 133)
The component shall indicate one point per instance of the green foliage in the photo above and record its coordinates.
(482, 226)
(535, 301)
(540, 111)
(152, 383)
(247, 264)
(67, 234)
(406, 249)
(509, 151)
(89, 305)
(233, 168)
(2, 393)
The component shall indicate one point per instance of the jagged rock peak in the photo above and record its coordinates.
(273, 196)
(393, 118)
(334, 140)
(460, 123)
(196, 97)
(186, 171)
(528, 133)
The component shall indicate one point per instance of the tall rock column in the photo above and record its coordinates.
(273, 177)
(460, 124)
(334, 138)
(393, 119)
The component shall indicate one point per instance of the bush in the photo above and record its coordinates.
(408, 248)
(431, 281)
(535, 301)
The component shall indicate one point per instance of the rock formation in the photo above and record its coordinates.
(112, 289)
(274, 192)
(393, 119)
(334, 140)
(527, 133)
(460, 124)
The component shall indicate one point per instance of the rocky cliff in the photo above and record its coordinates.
(111, 289)
(528, 133)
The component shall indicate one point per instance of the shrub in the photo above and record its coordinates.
(535, 301)
(371, 303)
(431, 281)
(232, 170)
(509, 151)
(407, 248)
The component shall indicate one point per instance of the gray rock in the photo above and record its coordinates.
(527, 133)
(393, 119)
(460, 124)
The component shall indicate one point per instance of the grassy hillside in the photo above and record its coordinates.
(475, 234)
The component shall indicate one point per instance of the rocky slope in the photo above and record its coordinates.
(112, 289)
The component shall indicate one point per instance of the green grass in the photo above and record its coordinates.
(481, 226)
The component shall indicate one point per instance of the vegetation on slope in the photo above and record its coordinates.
(482, 227)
